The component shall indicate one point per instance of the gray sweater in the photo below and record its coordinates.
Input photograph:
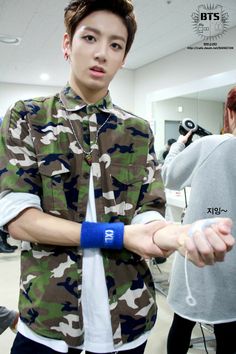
(7, 318)
(208, 165)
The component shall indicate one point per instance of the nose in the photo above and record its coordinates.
(101, 52)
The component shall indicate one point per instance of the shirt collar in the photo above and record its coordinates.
(73, 102)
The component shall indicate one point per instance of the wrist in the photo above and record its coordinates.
(128, 231)
(169, 238)
(102, 235)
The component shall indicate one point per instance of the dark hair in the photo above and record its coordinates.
(171, 141)
(77, 10)
(231, 99)
(165, 153)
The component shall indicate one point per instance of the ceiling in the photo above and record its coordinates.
(217, 94)
(164, 27)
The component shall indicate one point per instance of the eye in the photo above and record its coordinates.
(89, 38)
(116, 46)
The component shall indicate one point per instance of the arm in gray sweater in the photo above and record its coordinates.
(7, 318)
(181, 163)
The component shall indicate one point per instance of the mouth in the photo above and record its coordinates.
(97, 72)
(98, 69)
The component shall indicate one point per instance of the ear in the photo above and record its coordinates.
(66, 47)
(123, 64)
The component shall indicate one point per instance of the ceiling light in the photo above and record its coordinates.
(9, 40)
(44, 76)
(180, 109)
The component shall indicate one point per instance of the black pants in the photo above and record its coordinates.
(180, 335)
(23, 345)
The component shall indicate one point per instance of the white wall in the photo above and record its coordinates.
(182, 68)
(10, 93)
(208, 114)
(122, 91)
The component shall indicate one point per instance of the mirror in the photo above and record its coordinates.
(206, 108)
(207, 112)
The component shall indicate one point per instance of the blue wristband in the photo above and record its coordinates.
(102, 235)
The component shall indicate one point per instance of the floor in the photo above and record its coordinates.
(9, 284)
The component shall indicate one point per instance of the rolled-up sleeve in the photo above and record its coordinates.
(20, 182)
(18, 164)
(11, 204)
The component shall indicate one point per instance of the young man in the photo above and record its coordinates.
(74, 170)
(164, 152)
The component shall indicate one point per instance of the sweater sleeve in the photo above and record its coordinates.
(18, 162)
(11, 204)
(7, 318)
(180, 165)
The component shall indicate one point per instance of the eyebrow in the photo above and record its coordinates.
(112, 37)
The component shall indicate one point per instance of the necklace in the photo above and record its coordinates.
(87, 154)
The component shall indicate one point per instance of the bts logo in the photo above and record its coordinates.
(210, 21)
(210, 16)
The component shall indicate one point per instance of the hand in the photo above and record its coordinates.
(184, 138)
(210, 244)
(138, 238)
(204, 247)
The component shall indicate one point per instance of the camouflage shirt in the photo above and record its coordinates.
(39, 154)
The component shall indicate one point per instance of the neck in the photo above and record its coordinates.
(232, 122)
(234, 132)
(87, 95)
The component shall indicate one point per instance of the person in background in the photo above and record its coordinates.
(163, 153)
(5, 247)
(80, 186)
(208, 166)
(8, 318)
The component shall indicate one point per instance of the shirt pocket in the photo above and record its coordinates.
(126, 182)
(55, 173)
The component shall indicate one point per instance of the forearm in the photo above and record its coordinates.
(147, 240)
(36, 226)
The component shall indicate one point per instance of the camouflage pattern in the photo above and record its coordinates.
(40, 155)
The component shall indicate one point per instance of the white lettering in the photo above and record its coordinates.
(109, 236)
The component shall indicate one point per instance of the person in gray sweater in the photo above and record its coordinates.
(8, 318)
(208, 295)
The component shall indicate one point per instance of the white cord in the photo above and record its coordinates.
(191, 301)
(200, 226)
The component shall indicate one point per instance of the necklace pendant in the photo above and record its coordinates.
(88, 159)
